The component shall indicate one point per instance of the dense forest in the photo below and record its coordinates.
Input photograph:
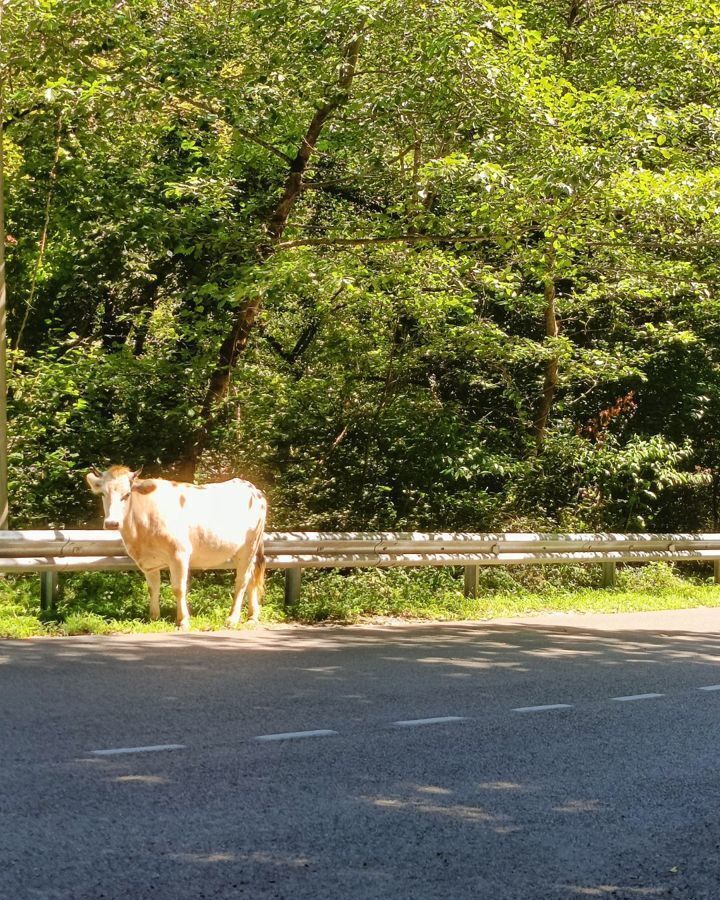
(436, 264)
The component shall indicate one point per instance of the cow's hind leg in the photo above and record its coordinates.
(153, 583)
(243, 574)
(179, 572)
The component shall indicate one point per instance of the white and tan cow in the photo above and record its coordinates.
(177, 526)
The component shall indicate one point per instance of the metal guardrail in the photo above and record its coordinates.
(54, 552)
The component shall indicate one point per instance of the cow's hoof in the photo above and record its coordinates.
(182, 626)
(231, 623)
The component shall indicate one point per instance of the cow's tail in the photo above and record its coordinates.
(256, 585)
(257, 579)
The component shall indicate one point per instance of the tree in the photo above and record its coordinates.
(397, 262)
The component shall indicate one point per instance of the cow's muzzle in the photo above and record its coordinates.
(111, 525)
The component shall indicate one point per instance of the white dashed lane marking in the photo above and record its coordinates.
(636, 697)
(115, 751)
(291, 735)
(437, 720)
(401, 723)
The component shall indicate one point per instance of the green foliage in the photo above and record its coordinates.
(503, 167)
(116, 603)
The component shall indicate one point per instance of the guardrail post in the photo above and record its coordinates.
(716, 566)
(292, 586)
(472, 578)
(609, 574)
(48, 590)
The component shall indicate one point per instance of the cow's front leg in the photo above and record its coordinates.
(179, 571)
(153, 583)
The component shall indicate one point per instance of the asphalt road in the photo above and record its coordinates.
(594, 797)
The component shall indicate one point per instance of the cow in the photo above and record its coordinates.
(178, 526)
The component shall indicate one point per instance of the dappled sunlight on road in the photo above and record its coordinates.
(615, 890)
(141, 779)
(620, 638)
(475, 663)
(578, 806)
(509, 800)
(464, 812)
(550, 652)
(267, 859)
(501, 786)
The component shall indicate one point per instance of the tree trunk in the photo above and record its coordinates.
(574, 12)
(244, 319)
(552, 330)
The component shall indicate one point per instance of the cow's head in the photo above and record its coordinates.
(114, 486)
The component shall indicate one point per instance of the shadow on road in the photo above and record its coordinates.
(605, 800)
(470, 647)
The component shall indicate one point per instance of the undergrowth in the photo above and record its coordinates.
(105, 603)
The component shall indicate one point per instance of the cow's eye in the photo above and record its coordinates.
(125, 497)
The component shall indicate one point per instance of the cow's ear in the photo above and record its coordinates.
(94, 482)
(134, 475)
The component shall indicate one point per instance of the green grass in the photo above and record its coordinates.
(110, 603)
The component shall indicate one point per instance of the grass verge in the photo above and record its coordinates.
(110, 603)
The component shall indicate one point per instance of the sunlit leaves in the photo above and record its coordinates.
(384, 383)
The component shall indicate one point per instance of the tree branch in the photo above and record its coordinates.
(245, 316)
(390, 239)
(253, 138)
(293, 183)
